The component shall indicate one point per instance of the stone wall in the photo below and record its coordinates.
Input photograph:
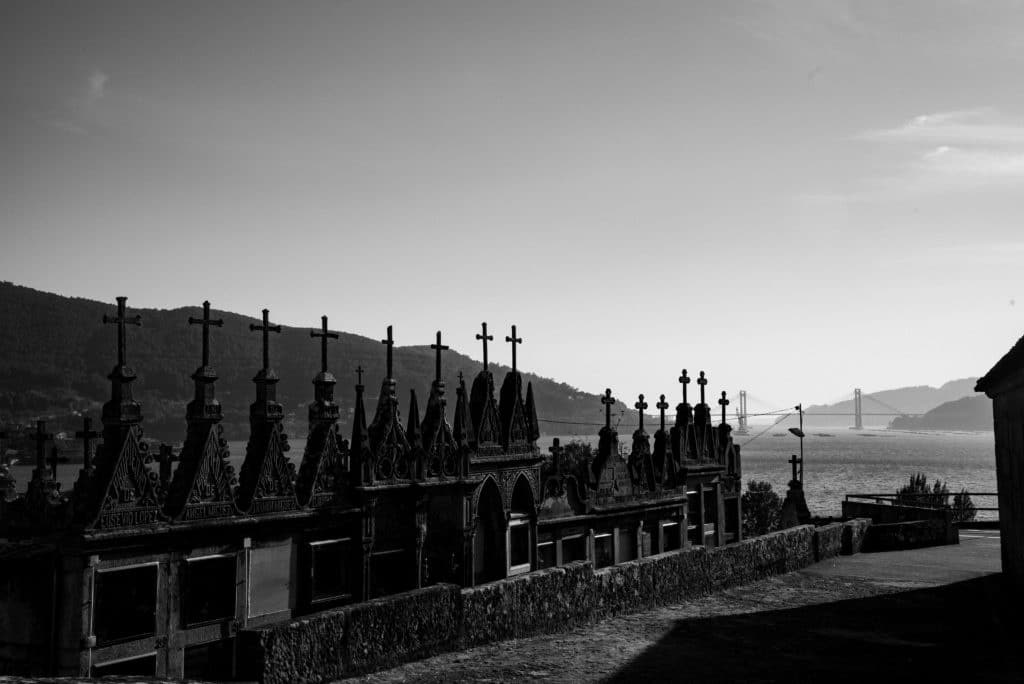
(387, 631)
(913, 534)
(853, 535)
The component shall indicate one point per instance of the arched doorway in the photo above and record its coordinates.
(522, 527)
(489, 541)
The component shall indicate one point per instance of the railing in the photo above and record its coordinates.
(928, 500)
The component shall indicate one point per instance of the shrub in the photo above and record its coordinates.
(762, 509)
(963, 507)
(918, 493)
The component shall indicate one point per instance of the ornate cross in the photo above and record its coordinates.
(206, 322)
(266, 328)
(324, 336)
(723, 402)
(121, 320)
(702, 381)
(514, 340)
(640, 406)
(86, 434)
(359, 374)
(438, 348)
(795, 461)
(608, 400)
(685, 380)
(390, 342)
(662, 405)
(41, 437)
(484, 336)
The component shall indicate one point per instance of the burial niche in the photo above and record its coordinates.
(490, 543)
(208, 589)
(125, 604)
(520, 527)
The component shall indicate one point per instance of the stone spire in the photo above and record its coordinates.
(323, 468)
(532, 424)
(204, 407)
(360, 464)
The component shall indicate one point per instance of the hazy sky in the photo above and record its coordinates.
(798, 198)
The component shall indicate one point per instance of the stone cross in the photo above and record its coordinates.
(324, 336)
(41, 437)
(661, 406)
(794, 461)
(461, 379)
(52, 462)
(514, 340)
(438, 348)
(556, 454)
(121, 320)
(684, 379)
(266, 329)
(608, 400)
(484, 336)
(86, 434)
(702, 381)
(359, 375)
(390, 342)
(166, 458)
(206, 322)
(723, 402)
(640, 406)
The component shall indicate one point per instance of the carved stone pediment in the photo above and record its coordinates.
(120, 491)
(204, 482)
(323, 469)
(266, 483)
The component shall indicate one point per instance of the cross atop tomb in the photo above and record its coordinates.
(485, 337)
(662, 405)
(324, 335)
(165, 458)
(608, 400)
(684, 380)
(86, 434)
(206, 322)
(796, 461)
(41, 437)
(640, 406)
(723, 402)
(390, 342)
(461, 378)
(359, 376)
(702, 381)
(266, 329)
(514, 340)
(438, 348)
(52, 462)
(121, 320)
(556, 454)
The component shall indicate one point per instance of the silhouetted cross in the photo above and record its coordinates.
(702, 381)
(684, 379)
(121, 320)
(514, 340)
(461, 380)
(359, 374)
(324, 336)
(438, 348)
(166, 457)
(608, 400)
(390, 342)
(266, 328)
(86, 434)
(484, 336)
(41, 437)
(661, 406)
(795, 461)
(556, 453)
(723, 402)
(206, 322)
(640, 406)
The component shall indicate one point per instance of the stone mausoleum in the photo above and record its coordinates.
(155, 561)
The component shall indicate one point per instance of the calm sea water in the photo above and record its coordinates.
(845, 462)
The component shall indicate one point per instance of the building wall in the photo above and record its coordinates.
(1008, 418)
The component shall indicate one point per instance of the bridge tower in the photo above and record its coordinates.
(858, 411)
(741, 414)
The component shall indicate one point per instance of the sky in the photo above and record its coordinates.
(798, 198)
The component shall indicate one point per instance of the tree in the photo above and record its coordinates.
(963, 507)
(918, 493)
(762, 509)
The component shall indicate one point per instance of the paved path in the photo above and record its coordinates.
(910, 614)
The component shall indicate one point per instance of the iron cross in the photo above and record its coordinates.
(723, 402)
(795, 461)
(121, 320)
(608, 400)
(86, 434)
(461, 379)
(662, 405)
(484, 336)
(514, 340)
(390, 342)
(41, 437)
(206, 322)
(359, 374)
(266, 328)
(324, 336)
(684, 379)
(438, 348)
(702, 381)
(640, 406)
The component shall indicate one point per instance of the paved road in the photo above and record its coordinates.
(932, 613)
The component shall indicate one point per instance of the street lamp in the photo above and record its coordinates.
(799, 432)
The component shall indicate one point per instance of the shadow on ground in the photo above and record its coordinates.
(962, 630)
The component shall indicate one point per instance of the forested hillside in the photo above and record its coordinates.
(55, 354)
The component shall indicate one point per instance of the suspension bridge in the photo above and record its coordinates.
(876, 408)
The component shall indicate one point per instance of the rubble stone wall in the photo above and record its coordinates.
(383, 632)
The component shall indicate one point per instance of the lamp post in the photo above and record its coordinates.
(799, 432)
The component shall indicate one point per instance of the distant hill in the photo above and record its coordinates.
(967, 413)
(55, 354)
(918, 399)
